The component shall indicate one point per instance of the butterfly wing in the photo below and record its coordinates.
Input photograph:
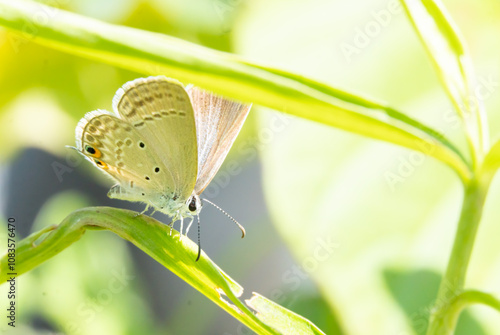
(218, 122)
(159, 109)
(115, 147)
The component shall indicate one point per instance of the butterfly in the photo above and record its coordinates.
(162, 144)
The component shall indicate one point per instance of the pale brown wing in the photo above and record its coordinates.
(159, 109)
(218, 122)
(116, 148)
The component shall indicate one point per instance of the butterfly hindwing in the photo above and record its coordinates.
(115, 147)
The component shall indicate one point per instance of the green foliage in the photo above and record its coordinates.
(228, 74)
(453, 65)
(150, 53)
(166, 247)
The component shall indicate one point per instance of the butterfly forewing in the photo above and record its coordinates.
(160, 110)
(115, 147)
(218, 122)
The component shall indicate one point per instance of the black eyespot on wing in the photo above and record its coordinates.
(157, 169)
(89, 149)
(141, 144)
(147, 178)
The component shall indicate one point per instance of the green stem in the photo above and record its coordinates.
(444, 316)
(470, 297)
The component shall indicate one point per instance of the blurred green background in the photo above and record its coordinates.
(349, 232)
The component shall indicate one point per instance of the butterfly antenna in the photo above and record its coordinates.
(229, 216)
(199, 240)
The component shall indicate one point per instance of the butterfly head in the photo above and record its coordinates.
(194, 204)
(172, 205)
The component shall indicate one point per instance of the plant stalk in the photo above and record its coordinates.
(444, 316)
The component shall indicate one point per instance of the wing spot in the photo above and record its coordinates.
(146, 177)
(128, 128)
(119, 143)
(94, 152)
(148, 118)
(139, 124)
(164, 112)
(90, 150)
(182, 113)
(101, 164)
(132, 112)
(131, 184)
(128, 142)
(92, 129)
(157, 169)
(118, 151)
(139, 103)
(120, 164)
(141, 144)
(97, 123)
(156, 115)
(172, 111)
(96, 135)
(149, 99)
(90, 138)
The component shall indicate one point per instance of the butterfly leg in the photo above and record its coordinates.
(171, 224)
(182, 227)
(189, 225)
(144, 211)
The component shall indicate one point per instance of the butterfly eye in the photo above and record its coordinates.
(93, 151)
(101, 164)
(192, 205)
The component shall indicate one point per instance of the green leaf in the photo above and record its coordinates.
(453, 64)
(272, 313)
(178, 255)
(153, 53)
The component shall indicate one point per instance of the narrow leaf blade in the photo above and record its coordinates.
(444, 45)
(227, 74)
(152, 237)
